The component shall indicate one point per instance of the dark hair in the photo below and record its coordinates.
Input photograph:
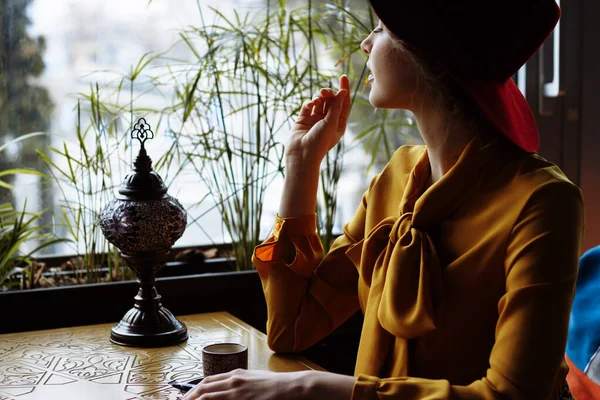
(447, 93)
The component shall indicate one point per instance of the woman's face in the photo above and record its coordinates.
(394, 75)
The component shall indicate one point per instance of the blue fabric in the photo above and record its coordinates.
(584, 326)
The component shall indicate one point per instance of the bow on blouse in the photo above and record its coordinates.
(400, 264)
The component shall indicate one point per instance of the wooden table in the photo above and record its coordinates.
(81, 363)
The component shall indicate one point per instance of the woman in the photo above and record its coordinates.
(463, 253)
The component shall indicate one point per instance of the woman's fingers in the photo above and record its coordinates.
(344, 85)
(306, 109)
(326, 92)
(328, 95)
(320, 105)
(218, 377)
(203, 388)
(211, 384)
(311, 107)
(336, 107)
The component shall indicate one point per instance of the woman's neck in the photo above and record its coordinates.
(445, 138)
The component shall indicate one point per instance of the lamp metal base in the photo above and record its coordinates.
(149, 328)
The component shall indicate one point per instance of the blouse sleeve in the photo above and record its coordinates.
(308, 294)
(541, 271)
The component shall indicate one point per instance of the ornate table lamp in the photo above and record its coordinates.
(144, 222)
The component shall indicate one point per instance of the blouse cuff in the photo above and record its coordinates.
(365, 388)
(301, 231)
(295, 226)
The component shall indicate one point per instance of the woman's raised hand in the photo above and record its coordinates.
(320, 125)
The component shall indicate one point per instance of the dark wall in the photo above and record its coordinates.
(590, 121)
(569, 124)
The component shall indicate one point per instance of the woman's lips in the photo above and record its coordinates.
(370, 78)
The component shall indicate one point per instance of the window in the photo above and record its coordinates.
(66, 65)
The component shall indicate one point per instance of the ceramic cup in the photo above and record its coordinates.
(224, 357)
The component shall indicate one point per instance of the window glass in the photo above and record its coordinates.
(66, 71)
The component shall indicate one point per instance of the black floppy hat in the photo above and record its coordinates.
(482, 44)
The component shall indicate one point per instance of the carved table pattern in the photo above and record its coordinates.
(81, 362)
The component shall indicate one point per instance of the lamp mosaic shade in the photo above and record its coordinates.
(140, 226)
(143, 217)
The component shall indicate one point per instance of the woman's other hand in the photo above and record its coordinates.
(242, 384)
(319, 126)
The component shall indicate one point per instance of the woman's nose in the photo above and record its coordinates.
(365, 46)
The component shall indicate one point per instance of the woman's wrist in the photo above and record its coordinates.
(300, 189)
(300, 159)
(327, 385)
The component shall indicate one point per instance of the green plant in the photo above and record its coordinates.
(226, 113)
(259, 72)
(16, 229)
(229, 113)
(86, 179)
(263, 85)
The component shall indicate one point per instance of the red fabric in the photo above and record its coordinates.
(507, 108)
(582, 387)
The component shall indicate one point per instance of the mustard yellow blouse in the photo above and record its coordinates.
(466, 286)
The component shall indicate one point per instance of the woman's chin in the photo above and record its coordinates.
(381, 102)
(374, 100)
(377, 101)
